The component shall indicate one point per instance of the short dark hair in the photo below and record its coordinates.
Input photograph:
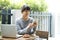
(25, 7)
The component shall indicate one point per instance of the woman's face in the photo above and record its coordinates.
(26, 13)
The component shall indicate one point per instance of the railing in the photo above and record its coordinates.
(44, 21)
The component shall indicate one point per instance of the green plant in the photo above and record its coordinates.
(4, 3)
(36, 5)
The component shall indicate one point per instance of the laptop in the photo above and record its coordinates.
(9, 30)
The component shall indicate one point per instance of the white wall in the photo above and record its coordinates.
(16, 15)
(54, 7)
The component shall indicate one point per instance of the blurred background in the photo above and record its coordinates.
(47, 12)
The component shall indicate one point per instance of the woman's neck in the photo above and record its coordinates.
(25, 18)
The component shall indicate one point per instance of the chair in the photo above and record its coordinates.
(42, 34)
